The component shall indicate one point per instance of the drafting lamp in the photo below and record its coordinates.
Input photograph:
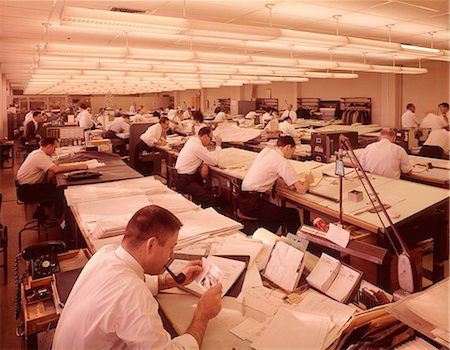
(407, 275)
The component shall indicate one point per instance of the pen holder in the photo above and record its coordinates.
(355, 196)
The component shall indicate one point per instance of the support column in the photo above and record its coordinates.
(3, 107)
(390, 100)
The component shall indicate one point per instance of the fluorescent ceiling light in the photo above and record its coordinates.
(419, 48)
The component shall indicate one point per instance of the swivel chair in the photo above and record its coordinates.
(431, 151)
(40, 222)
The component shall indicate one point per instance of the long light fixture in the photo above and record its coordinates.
(419, 48)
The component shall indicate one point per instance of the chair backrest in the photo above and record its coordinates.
(431, 151)
(136, 130)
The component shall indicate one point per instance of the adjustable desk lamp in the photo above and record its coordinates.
(407, 276)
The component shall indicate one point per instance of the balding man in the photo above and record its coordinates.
(111, 305)
(386, 158)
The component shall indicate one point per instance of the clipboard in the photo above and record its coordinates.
(236, 288)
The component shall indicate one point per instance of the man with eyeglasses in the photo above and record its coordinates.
(192, 167)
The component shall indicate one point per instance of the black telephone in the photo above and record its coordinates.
(43, 258)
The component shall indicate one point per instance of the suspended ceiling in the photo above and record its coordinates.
(43, 50)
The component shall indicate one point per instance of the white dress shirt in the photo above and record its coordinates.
(33, 169)
(288, 113)
(266, 116)
(250, 115)
(272, 125)
(220, 117)
(193, 154)
(85, 120)
(132, 109)
(287, 129)
(439, 137)
(385, 158)
(265, 170)
(433, 121)
(112, 307)
(28, 118)
(409, 120)
(119, 126)
(186, 114)
(152, 135)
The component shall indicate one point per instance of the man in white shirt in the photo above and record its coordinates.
(112, 304)
(443, 108)
(154, 136)
(269, 165)
(192, 166)
(287, 128)
(289, 113)
(439, 137)
(84, 118)
(36, 174)
(385, 158)
(120, 125)
(409, 117)
(198, 123)
(187, 113)
(133, 108)
(221, 116)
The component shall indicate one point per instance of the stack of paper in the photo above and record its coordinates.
(110, 213)
(89, 193)
(200, 224)
(172, 201)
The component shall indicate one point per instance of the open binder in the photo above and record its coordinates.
(286, 262)
(334, 278)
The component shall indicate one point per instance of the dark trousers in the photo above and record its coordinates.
(270, 215)
(145, 168)
(193, 185)
(110, 135)
(45, 193)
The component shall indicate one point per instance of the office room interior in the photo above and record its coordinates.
(153, 59)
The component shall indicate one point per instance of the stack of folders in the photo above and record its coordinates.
(335, 279)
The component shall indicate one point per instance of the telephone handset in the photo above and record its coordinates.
(43, 258)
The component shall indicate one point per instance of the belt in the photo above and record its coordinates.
(187, 175)
(252, 193)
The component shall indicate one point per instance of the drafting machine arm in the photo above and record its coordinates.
(407, 274)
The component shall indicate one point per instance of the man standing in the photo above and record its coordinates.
(111, 305)
(192, 166)
(84, 118)
(154, 136)
(409, 117)
(36, 174)
(289, 113)
(384, 157)
(33, 129)
(269, 165)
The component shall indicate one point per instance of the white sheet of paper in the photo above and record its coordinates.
(262, 299)
(248, 329)
(338, 235)
(291, 329)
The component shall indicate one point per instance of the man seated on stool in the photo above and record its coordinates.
(118, 126)
(33, 129)
(154, 136)
(384, 157)
(192, 166)
(111, 305)
(270, 164)
(36, 175)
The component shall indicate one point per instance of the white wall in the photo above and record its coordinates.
(150, 102)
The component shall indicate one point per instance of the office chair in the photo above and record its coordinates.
(40, 222)
(431, 151)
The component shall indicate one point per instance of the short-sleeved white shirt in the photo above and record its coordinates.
(265, 170)
(33, 169)
(439, 137)
(152, 135)
(386, 159)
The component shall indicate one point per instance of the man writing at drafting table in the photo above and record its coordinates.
(270, 164)
(192, 166)
(111, 305)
